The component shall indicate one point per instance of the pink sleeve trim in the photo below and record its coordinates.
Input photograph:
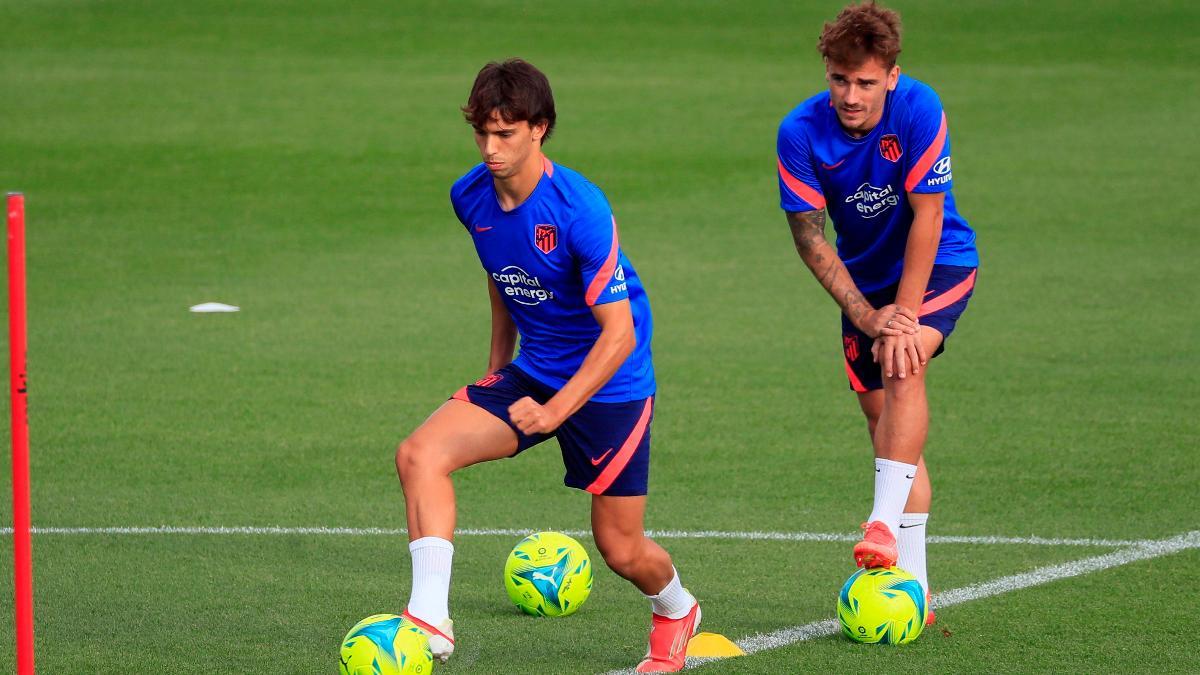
(928, 158)
(596, 287)
(799, 188)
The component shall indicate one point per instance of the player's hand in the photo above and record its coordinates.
(532, 417)
(899, 355)
(889, 320)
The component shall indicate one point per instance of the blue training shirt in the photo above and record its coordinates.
(864, 182)
(552, 258)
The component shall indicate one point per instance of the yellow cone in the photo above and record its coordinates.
(712, 645)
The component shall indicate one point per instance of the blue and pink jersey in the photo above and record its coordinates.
(863, 182)
(552, 258)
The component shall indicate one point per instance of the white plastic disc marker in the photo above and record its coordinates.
(211, 307)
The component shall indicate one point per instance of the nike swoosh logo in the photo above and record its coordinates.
(905, 527)
(596, 462)
(831, 167)
(482, 229)
(911, 477)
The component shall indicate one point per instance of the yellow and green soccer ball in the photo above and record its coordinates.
(548, 574)
(883, 605)
(385, 644)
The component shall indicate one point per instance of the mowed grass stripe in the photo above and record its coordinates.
(518, 532)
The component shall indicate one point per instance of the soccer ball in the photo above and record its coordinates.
(883, 605)
(548, 574)
(385, 644)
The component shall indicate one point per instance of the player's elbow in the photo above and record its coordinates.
(624, 340)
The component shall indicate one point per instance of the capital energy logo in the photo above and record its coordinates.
(871, 201)
(519, 285)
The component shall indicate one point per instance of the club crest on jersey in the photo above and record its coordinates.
(850, 344)
(889, 147)
(545, 237)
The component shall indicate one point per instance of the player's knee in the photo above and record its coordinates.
(414, 457)
(906, 387)
(620, 554)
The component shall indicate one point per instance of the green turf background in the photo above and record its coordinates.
(295, 158)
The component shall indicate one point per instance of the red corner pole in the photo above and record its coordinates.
(22, 548)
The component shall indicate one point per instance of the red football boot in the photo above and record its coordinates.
(668, 642)
(878, 547)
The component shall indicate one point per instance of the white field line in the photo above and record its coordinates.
(817, 629)
(517, 532)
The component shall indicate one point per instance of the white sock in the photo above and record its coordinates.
(893, 480)
(911, 542)
(430, 598)
(674, 601)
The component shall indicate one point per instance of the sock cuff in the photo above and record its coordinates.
(430, 542)
(673, 582)
(914, 518)
(881, 463)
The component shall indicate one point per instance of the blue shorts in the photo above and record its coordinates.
(946, 297)
(605, 446)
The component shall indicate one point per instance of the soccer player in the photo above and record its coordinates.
(558, 278)
(874, 152)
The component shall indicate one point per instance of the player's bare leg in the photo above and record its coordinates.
(921, 494)
(617, 525)
(457, 435)
(898, 436)
(910, 537)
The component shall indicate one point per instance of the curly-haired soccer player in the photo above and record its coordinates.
(874, 152)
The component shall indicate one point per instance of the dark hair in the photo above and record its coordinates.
(515, 89)
(860, 32)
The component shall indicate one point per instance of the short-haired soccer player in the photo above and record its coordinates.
(874, 152)
(558, 277)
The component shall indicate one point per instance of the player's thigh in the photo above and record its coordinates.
(931, 339)
(617, 520)
(456, 435)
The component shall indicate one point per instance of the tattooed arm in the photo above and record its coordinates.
(808, 232)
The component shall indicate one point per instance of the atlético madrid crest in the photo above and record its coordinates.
(545, 237)
(850, 345)
(889, 147)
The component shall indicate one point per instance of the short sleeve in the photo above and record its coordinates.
(455, 197)
(927, 168)
(593, 243)
(799, 190)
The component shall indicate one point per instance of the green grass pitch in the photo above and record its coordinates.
(295, 159)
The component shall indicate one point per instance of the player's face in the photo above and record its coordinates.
(508, 147)
(858, 92)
